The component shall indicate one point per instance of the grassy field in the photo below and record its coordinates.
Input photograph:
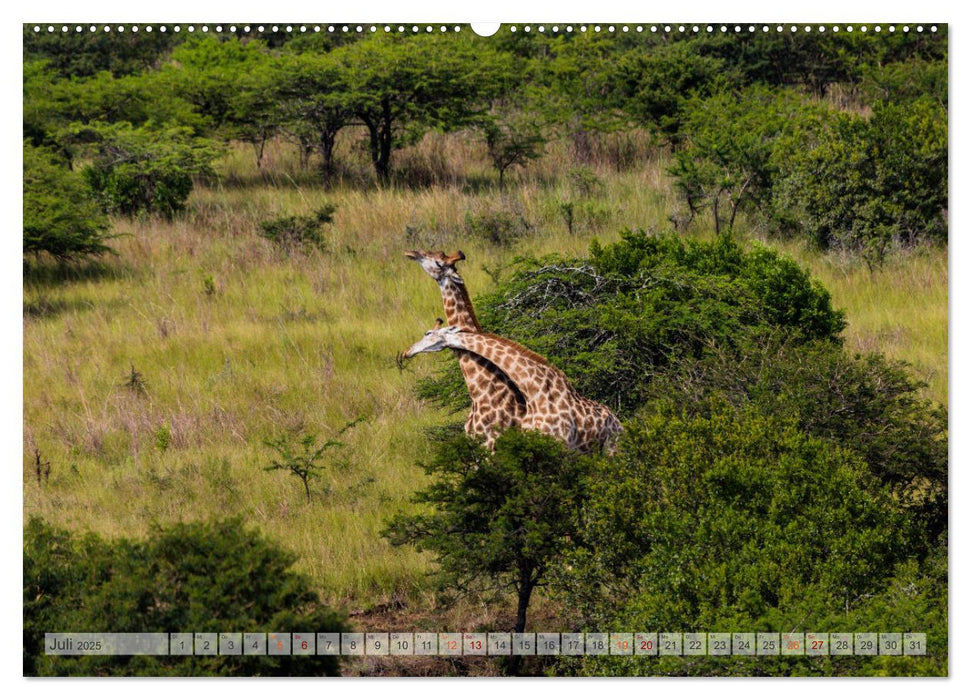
(232, 340)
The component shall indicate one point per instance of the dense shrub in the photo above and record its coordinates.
(906, 81)
(135, 170)
(863, 403)
(865, 185)
(60, 217)
(612, 322)
(181, 578)
(737, 522)
(293, 231)
(655, 86)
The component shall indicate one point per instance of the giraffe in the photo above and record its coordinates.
(553, 406)
(497, 403)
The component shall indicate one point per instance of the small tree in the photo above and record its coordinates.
(401, 88)
(303, 460)
(503, 518)
(60, 217)
(726, 163)
(513, 139)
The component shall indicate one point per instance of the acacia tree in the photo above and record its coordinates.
(502, 518)
(513, 137)
(727, 160)
(401, 87)
(313, 102)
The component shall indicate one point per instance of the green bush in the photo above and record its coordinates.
(906, 81)
(195, 577)
(135, 170)
(655, 86)
(60, 217)
(863, 403)
(294, 231)
(867, 185)
(614, 321)
(737, 522)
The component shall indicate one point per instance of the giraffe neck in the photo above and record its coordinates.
(523, 367)
(458, 306)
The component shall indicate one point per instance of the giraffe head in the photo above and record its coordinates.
(434, 340)
(437, 264)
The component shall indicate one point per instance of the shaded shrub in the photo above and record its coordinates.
(294, 231)
(182, 578)
(905, 81)
(867, 404)
(866, 185)
(501, 227)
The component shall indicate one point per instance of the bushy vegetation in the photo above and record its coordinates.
(499, 520)
(293, 231)
(869, 184)
(135, 170)
(741, 521)
(60, 219)
(219, 576)
(706, 98)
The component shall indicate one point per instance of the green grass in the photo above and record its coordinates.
(306, 341)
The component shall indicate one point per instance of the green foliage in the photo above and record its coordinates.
(863, 403)
(211, 72)
(612, 322)
(60, 218)
(735, 521)
(303, 459)
(52, 107)
(137, 169)
(497, 520)
(726, 163)
(309, 97)
(401, 87)
(906, 82)
(293, 231)
(218, 576)
(656, 86)
(86, 53)
(866, 185)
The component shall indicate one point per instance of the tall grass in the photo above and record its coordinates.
(236, 341)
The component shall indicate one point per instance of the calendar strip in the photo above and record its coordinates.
(654, 644)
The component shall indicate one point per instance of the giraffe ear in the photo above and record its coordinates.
(455, 257)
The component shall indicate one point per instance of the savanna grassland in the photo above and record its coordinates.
(152, 379)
